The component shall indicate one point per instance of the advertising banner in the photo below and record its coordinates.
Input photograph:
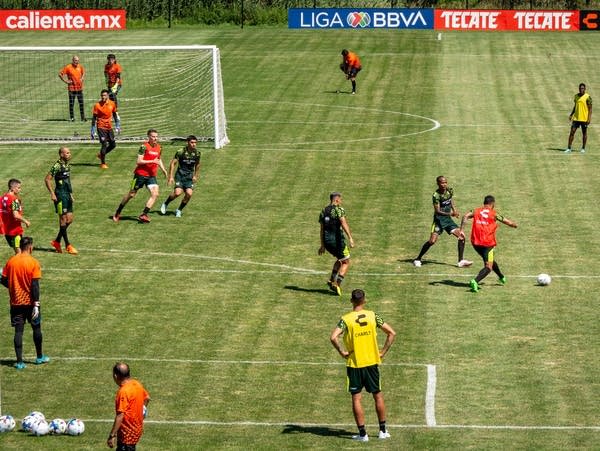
(513, 20)
(62, 19)
(589, 20)
(359, 18)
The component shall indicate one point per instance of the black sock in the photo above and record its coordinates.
(37, 339)
(60, 235)
(18, 341)
(334, 275)
(482, 274)
(119, 209)
(424, 250)
(362, 431)
(340, 279)
(146, 210)
(382, 426)
(168, 200)
(353, 86)
(496, 269)
(182, 205)
(461, 249)
(64, 234)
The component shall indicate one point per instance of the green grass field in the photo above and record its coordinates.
(224, 314)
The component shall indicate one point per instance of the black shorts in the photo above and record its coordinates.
(13, 240)
(20, 315)
(486, 252)
(577, 124)
(139, 181)
(63, 203)
(338, 250)
(367, 377)
(106, 135)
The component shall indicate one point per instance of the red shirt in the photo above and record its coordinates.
(149, 153)
(10, 203)
(483, 232)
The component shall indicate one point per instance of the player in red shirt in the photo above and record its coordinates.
(11, 212)
(351, 67)
(102, 116)
(112, 74)
(147, 164)
(483, 238)
(73, 75)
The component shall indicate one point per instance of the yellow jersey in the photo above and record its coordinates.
(360, 338)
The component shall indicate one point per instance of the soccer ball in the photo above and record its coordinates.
(544, 279)
(75, 427)
(40, 427)
(58, 426)
(7, 423)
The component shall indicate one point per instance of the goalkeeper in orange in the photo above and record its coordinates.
(351, 67)
(112, 74)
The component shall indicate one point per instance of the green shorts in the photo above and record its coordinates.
(338, 250)
(367, 377)
(13, 241)
(63, 203)
(443, 224)
(140, 181)
(184, 182)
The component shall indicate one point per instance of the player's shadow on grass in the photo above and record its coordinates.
(450, 283)
(125, 218)
(425, 262)
(337, 91)
(309, 290)
(44, 249)
(557, 149)
(85, 164)
(7, 362)
(322, 431)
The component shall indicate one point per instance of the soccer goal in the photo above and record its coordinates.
(177, 90)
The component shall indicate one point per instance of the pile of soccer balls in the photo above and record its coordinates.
(36, 424)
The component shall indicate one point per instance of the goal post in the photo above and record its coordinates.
(177, 90)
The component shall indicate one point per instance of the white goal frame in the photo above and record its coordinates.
(220, 122)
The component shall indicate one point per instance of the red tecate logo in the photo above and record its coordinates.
(62, 19)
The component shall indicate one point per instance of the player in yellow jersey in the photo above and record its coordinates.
(362, 354)
(580, 116)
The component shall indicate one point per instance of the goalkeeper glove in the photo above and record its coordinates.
(145, 411)
(35, 313)
(118, 126)
(93, 132)
(115, 88)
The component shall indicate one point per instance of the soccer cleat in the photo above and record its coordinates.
(360, 438)
(474, 286)
(178, 213)
(464, 263)
(353, 93)
(56, 246)
(567, 150)
(42, 359)
(502, 280)
(72, 119)
(71, 250)
(20, 365)
(582, 150)
(417, 263)
(144, 218)
(103, 166)
(384, 435)
(331, 286)
(163, 209)
(116, 217)
(338, 289)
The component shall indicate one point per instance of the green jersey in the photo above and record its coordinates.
(61, 171)
(331, 217)
(187, 160)
(444, 200)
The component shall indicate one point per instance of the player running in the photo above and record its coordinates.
(443, 212)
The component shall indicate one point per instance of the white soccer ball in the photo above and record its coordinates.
(75, 426)
(7, 423)
(58, 426)
(544, 279)
(40, 428)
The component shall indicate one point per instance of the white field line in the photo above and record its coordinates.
(430, 396)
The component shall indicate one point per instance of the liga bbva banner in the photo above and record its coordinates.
(62, 19)
(438, 19)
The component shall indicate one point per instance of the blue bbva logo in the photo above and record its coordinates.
(366, 18)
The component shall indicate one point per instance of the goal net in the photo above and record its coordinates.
(176, 90)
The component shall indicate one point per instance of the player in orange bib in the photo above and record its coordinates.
(350, 66)
(73, 75)
(131, 403)
(102, 116)
(483, 238)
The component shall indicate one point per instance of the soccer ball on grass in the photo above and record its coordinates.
(544, 279)
(58, 426)
(7, 423)
(75, 426)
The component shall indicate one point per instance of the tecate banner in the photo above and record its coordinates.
(62, 19)
(360, 18)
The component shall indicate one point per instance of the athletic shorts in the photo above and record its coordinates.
(577, 124)
(106, 135)
(124, 447)
(443, 224)
(367, 377)
(19, 315)
(139, 181)
(339, 251)
(487, 253)
(183, 182)
(63, 203)
(13, 241)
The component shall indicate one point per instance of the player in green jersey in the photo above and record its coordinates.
(187, 161)
(443, 211)
(333, 226)
(62, 196)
